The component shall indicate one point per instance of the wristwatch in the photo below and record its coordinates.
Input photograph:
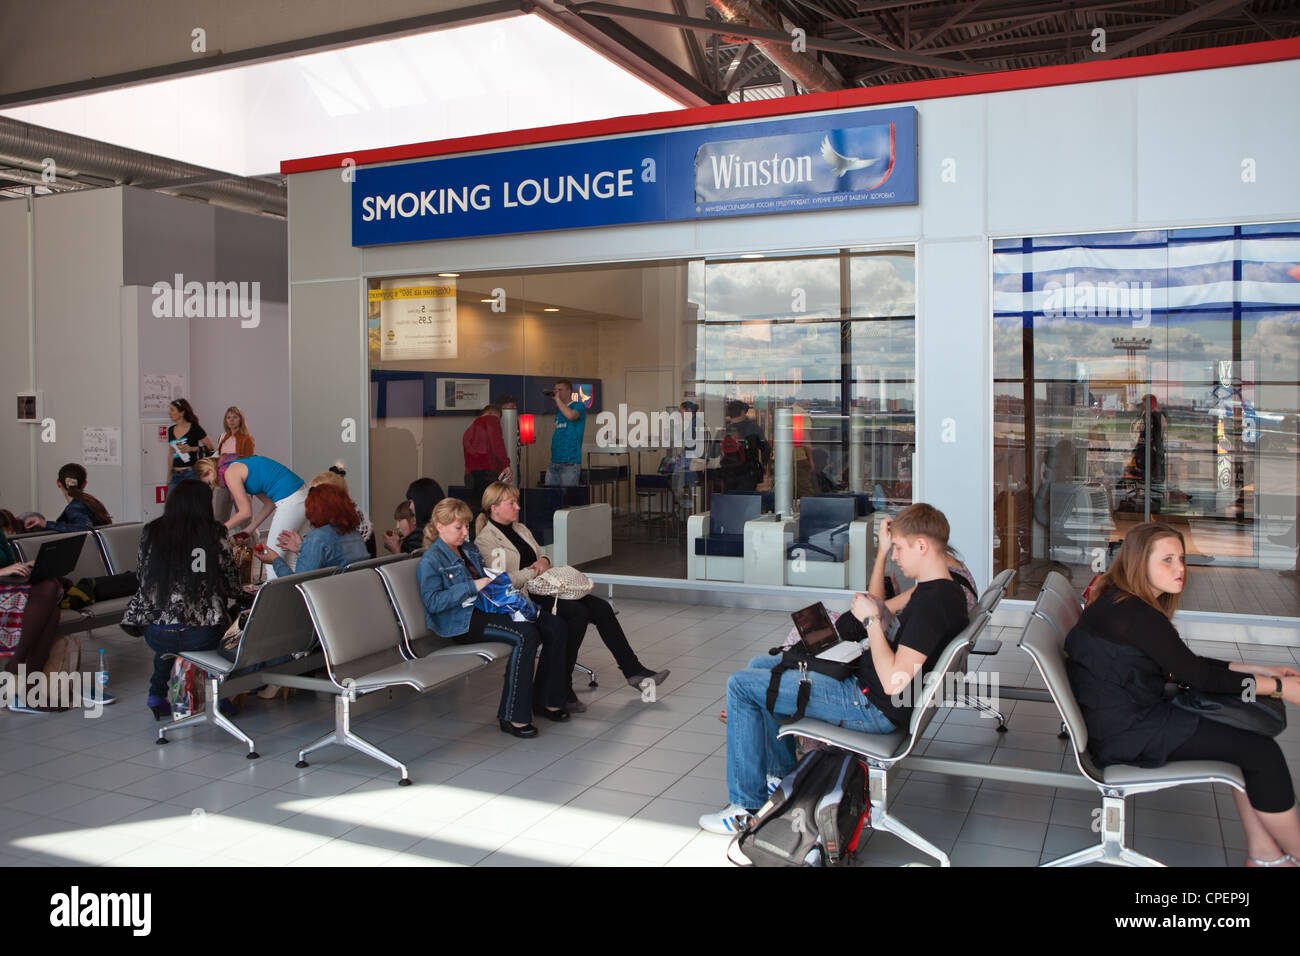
(867, 622)
(1278, 692)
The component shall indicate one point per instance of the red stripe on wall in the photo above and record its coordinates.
(1187, 61)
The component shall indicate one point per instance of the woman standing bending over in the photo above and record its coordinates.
(282, 493)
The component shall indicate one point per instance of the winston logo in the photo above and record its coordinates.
(844, 164)
(733, 172)
(817, 163)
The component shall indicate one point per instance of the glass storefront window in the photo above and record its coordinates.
(1150, 375)
(660, 351)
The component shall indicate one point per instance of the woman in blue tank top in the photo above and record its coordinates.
(282, 493)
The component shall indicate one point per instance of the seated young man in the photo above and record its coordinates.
(874, 701)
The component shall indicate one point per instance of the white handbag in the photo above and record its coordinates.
(561, 583)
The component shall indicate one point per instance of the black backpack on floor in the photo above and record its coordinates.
(814, 818)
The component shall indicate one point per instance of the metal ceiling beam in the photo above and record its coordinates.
(867, 34)
(1019, 11)
(751, 33)
(637, 56)
(693, 49)
(731, 76)
(952, 21)
(746, 73)
(1204, 12)
(801, 66)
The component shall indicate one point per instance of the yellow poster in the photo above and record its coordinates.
(417, 318)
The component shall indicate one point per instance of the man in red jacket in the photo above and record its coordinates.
(485, 455)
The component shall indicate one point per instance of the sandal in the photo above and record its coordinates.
(1283, 860)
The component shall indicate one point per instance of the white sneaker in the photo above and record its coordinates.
(730, 819)
(772, 784)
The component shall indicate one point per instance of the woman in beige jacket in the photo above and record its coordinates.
(507, 544)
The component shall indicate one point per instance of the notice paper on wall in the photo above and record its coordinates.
(417, 318)
(101, 445)
(463, 394)
(158, 390)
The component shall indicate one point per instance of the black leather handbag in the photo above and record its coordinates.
(1263, 715)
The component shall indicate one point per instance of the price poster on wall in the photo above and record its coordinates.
(101, 445)
(158, 390)
(417, 319)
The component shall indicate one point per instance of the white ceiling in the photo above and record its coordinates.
(508, 74)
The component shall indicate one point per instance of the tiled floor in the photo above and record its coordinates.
(621, 784)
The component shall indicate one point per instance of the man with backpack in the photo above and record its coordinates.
(742, 449)
(873, 700)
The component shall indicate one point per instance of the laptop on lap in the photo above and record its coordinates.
(819, 637)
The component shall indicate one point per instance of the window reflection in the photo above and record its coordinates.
(1150, 375)
(829, 335)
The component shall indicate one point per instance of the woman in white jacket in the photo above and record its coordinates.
(507, 544)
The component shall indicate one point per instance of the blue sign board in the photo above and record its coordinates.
(799, 164)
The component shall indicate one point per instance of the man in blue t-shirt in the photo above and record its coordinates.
(566, 443)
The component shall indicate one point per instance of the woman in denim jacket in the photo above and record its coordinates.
(451, 575)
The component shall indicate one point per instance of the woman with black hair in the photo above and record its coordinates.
(423, 494)
(83, 511)
(188, 440)
(186, 577)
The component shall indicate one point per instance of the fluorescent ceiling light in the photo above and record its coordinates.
(481, 78)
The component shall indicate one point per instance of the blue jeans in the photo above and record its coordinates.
(560, 473)
(753, 749)
(179, 475)
(522, 687)
(172, 639)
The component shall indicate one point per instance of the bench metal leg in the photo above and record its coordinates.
(881, 820)
(1111, 849)
(342, 734)
(589, 672)
(986, 709)
(211, 711)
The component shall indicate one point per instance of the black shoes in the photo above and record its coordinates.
(527, 730)
(559, 716)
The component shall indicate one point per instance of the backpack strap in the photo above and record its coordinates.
(774, 688)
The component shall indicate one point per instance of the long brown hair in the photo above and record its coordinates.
(493, 494)
(72, 479)
(241, 430)
(1129, 571)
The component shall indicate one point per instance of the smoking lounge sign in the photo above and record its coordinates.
(863, 158)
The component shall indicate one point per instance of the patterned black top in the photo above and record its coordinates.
(148, 608)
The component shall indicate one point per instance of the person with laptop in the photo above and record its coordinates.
(873, 700)
(29, 615)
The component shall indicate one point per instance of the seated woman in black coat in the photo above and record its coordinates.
(1121, 654)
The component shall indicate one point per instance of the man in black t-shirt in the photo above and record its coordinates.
(877, 700)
